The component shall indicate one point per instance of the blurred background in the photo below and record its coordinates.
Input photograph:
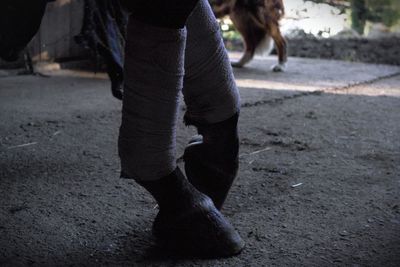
(328, 18)
(352, 30)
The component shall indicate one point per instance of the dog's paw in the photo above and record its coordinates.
(281, 67)
(236, 64)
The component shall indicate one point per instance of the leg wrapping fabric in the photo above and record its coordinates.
(154, 70)
(209, 90)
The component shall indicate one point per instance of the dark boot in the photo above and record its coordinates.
(211, 162)
(188, 221)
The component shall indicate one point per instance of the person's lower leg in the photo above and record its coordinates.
(213, 105)
(211, 163)
(209, 90)
(153, 80)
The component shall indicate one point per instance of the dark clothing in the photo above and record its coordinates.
(162, 13)
(19, 22)
(103, 32)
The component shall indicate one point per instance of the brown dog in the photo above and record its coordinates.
(258, 23)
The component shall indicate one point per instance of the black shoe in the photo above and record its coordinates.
(188, 222)
(211, 160)
(201, 231)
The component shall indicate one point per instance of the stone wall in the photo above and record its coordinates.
(385, 50)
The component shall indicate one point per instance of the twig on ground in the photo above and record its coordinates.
(23, 145)
(255, 152)
(296, 185)
(56, 133)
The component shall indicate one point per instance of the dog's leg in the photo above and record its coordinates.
(246, 58)
(252, 30)
(248, 52)
(281, 47)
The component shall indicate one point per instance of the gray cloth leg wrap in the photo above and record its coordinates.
(154, 70)
(209, 90)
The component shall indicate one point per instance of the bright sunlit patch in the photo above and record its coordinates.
(273, 85)
(317, 19)
(224, 27)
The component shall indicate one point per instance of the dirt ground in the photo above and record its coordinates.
(319, 180)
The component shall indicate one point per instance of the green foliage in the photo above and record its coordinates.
(229, 32)
(384, 11)
(231, 35)
(359, 13)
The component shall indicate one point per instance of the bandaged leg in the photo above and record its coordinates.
(212, 100)
(209, 89)
(187, 220)
(154, 69)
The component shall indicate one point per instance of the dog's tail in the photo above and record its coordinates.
(275, 9)
(272, 12)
